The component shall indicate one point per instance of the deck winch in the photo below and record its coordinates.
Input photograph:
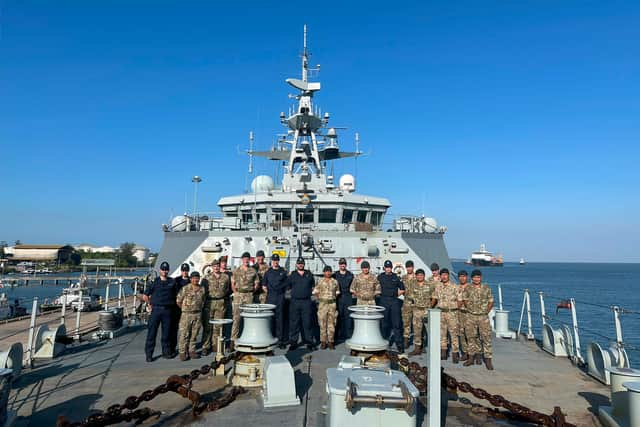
(256, 366)
(367, 342)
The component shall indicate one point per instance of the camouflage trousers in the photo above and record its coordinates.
(327, 317)
(213, 309)
(462, 321)
(239, 298)
(189, 329)
(478, 329)
(418, 315)
(362, 301)
(449, 323)
(407, 316)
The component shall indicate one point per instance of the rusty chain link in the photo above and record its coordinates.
(417, 374)
(180, 384)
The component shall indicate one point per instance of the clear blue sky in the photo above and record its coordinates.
(516, 124)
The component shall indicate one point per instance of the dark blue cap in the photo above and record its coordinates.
(275, 257)
(388, 263)
(164, 266)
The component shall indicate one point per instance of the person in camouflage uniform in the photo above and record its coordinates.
(327, 291)
(365, 286)
(243, 282)
(462, 319)
(261, 267)
(216, 285)
(448, 299)
(478, 301)
(435, 274)
(408, 280)
(190, 299)
(421, 302)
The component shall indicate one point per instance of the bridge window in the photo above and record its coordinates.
(327, 216)
(347, 216)
(362, 216)
(376, 218)
(304, 216)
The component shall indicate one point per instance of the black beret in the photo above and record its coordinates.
(327, 268)
(434, 267)
(246, 255)
(476, 273)
(260, 253)
(194, 274)
(408, 263)
(365, 264)
(420, 271)
(444, 270)
(462, 273)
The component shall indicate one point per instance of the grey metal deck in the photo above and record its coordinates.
(93, 376)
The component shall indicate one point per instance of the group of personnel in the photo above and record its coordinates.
(185, 305)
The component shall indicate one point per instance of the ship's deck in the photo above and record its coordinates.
(94, 375)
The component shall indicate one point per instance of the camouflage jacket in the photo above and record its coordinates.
(245, 279)
(365, 287)
(461, 290)
(447, 295)
(409, 281)
(191, 298)
(216, 287)
(261, 269)
(477, 298)
(326, 289)
(421, 296)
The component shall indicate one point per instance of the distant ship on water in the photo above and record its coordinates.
(522, 261)
(484, 258)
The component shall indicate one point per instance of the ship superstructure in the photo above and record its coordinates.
(306, 214)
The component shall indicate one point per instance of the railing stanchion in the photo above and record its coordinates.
(106, 297)
(524, 299)
(576, 335)
(543, 311)
(32, 326)
(79, 310)
(500, 296)
(63, 311)
(529, 330)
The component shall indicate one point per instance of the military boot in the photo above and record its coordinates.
(194, 355)
(184, 357)
(323, 345)
(331, 346)
(443, 354)
(470, 360)
(455, 357)
(417, 350)
(464, 356)
(406, 343)
(205, 352)
(478, 359)
(487, 362)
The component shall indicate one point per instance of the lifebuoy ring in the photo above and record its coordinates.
(399, 269)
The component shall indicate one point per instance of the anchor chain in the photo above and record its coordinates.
(180, 384)
(418, 375)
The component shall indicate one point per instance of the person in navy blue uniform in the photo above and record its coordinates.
(182, 281)
(345, 299)
(274, 283)
(392, 287)
(161, 295)
(301, 283)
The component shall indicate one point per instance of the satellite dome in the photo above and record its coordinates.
(347, 183)
(179, 223)
(262, 184)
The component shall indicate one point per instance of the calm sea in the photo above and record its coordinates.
(595, 287)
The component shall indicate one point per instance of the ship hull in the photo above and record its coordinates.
(483, 263)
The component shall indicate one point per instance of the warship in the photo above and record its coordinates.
(74, 376)
(307, 214)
